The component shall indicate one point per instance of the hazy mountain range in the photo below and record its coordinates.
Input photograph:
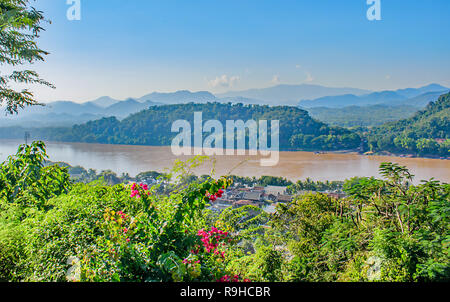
(417, 97)
(63, 113)
(291, 94)
(180, 97)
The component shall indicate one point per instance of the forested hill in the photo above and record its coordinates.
(298, 131)
(426, 133)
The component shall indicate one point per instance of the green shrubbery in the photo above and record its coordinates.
(53, 230)
(108, 234)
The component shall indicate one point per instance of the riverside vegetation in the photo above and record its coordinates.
(54, 230)
(425, 134)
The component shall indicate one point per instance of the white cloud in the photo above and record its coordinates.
(276, 79)
(309, 77)
(224, 81)
(388, 77)
(298, 66)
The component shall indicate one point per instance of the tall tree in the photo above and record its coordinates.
(20, 25)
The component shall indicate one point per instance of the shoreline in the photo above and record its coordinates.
(293, 165)
(316, 152)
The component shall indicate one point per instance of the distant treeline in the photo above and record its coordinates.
(298, 131)
(362, 116)
(291, 188)
(82, 175)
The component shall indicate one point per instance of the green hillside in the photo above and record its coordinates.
(298, 131)
(362, 116)
(426, 133)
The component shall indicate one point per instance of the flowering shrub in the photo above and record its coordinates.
(235, 278)
(215, 196)
(212, 239)
(135, 192)
(153, 237)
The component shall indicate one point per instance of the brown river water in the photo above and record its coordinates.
(292, 165)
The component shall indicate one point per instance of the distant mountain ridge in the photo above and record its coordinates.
(417, 97)
(105, 101)
(69, 113)
(423, 100)
(291, 94)
(180, 97)
(65, 113)
(119, 109)
(413, 92)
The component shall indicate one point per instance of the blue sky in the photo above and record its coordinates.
(131, 48)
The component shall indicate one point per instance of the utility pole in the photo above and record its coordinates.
(27, 136)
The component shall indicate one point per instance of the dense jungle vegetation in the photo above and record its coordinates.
(54, 230)
(298, 131)
(362, 116)
(426, 133)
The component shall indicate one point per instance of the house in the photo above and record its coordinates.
(224, 201)
(234, 195)
(284, 198)
(258, 189)
(271, 197)
(275, 190)
(253, 196)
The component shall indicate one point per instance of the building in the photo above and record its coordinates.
(284, 198)
(258, 189)
(257, 196)
(242, 203)
(275, 190)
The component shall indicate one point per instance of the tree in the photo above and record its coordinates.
(20, 26)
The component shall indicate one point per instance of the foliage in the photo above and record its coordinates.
(298, 131)
(25, 180)
(20, 26)
(116, 235)
(51, 230)
(310, 185)
(364, 116)
(424, 134)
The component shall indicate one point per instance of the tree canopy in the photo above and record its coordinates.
(20, 26)
(426, 133)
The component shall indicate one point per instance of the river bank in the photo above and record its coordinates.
(293, 166)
